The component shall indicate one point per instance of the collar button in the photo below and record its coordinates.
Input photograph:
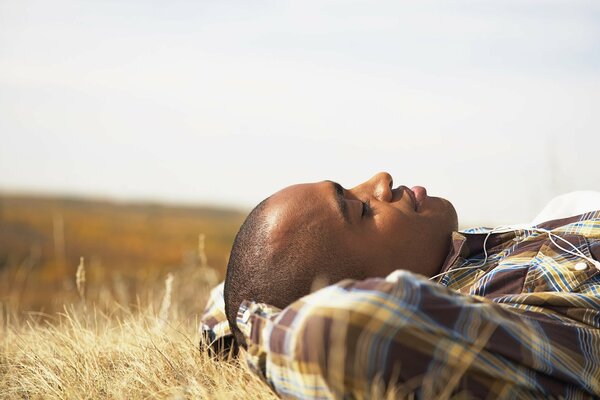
(580, 266)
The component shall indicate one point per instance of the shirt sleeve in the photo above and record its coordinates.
(408, 335)
(215, 331)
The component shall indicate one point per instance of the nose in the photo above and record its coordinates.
(379, 186)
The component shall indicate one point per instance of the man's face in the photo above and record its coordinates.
(380, 227)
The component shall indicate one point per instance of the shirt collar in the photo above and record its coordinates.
(466, 244)
(470, 242)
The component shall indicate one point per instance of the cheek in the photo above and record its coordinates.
(395, 231)
(402, 234)
(393, 223)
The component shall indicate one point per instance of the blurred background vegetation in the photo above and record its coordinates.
(128, 248)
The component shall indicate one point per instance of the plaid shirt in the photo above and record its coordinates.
(523, 324)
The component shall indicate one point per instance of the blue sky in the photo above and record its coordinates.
(491, 104)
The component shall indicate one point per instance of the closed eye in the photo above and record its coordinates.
(366, 208)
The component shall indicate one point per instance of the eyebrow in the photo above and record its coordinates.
(340, 200)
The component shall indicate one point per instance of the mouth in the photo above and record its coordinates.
(417, 195)
(411, 194)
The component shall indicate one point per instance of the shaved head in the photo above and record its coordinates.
(278, 254)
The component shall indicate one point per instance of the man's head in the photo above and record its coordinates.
(321, 231)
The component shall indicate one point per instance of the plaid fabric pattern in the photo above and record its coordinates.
(214, 321)
(523, 323)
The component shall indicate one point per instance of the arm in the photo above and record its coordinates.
(415, 336)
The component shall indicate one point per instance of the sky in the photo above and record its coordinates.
(493, 105)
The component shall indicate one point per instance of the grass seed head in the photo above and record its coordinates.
(80, 279)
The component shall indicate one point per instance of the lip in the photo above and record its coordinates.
(412, 196)
(420, 194)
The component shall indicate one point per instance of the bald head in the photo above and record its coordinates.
(279, 253)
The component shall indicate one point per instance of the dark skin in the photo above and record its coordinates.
(381, 227)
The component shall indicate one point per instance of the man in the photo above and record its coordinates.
(508, 314)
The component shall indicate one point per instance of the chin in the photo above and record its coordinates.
(453, 216)
(444, 208)
(450, 215)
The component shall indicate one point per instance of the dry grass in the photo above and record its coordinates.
(103, 356)
(128, 314)
(106, 349)
(43, 238)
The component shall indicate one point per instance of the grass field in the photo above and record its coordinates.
(111, 350)
(112, 328)
(127, 247)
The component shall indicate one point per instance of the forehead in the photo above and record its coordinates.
(304, 204)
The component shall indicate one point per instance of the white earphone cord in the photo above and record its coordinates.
(504, 229)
